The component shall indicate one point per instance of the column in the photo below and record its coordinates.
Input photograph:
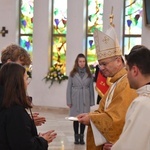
(75, 31)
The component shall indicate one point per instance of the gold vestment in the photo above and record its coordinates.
(110, 122)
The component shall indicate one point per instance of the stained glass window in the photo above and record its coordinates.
(94, 20)
(26, 25)
(132, 24)
(59, 32)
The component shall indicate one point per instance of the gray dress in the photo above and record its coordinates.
(80, 94)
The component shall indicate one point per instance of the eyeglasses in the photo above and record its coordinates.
(104, 64)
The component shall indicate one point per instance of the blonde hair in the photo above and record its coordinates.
(14, 52)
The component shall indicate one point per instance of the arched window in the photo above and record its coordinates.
(59, 29)
(132, 24)
(26, 24)
(94, 21)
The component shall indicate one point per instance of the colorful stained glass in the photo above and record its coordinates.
(133, 24)
(27, 43)
(95, 15)
(59, 49)
(26, 25)
(130, 42)
(91, 52)
(26, 22)
(59, 16)
(59, 32)
(95, 20)
(133, 17)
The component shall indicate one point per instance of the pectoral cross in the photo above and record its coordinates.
(3, 31)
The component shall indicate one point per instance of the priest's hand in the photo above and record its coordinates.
(107, 146)
(84, 119)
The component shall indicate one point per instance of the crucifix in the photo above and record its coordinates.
(3, 31)
(111, 17)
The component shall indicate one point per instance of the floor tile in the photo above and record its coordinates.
(55, 119)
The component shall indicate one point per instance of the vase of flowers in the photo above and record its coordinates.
(56, 73)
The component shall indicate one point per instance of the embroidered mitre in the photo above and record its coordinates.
(106, 43)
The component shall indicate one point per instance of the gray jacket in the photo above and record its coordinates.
(80, 94)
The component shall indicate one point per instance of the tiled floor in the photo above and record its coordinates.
(56, 120)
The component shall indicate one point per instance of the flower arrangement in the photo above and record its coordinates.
(92, 69)
(56, 73)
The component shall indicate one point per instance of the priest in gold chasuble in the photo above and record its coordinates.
(106, 123)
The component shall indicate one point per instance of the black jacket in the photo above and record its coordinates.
(17, 130)
(1, 65)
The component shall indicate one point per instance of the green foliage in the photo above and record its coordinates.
(92, 69)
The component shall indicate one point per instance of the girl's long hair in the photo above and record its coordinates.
(75, 68)
(12, 80)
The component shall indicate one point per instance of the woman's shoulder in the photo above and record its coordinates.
(12, 110)
(15, 112)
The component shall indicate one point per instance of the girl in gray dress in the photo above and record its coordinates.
(80, 94)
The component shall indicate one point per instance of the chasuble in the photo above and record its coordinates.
(109, 120)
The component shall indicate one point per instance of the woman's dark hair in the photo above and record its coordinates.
(139, 56)
(12, 80)
(75, 68)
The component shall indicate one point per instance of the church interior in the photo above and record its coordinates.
(50, 100)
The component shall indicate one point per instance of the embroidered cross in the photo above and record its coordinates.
(106, 39)
(3, 31)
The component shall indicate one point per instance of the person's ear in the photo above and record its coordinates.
(119, 61)
(135, 70)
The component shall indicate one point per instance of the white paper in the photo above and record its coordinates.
(98, 137)
(72, 118)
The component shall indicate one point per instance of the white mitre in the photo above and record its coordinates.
(106, 43)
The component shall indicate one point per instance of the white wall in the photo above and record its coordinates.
(75, 31)
(56, 95)
(9, 19)
(145, 32)
(118, 13)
